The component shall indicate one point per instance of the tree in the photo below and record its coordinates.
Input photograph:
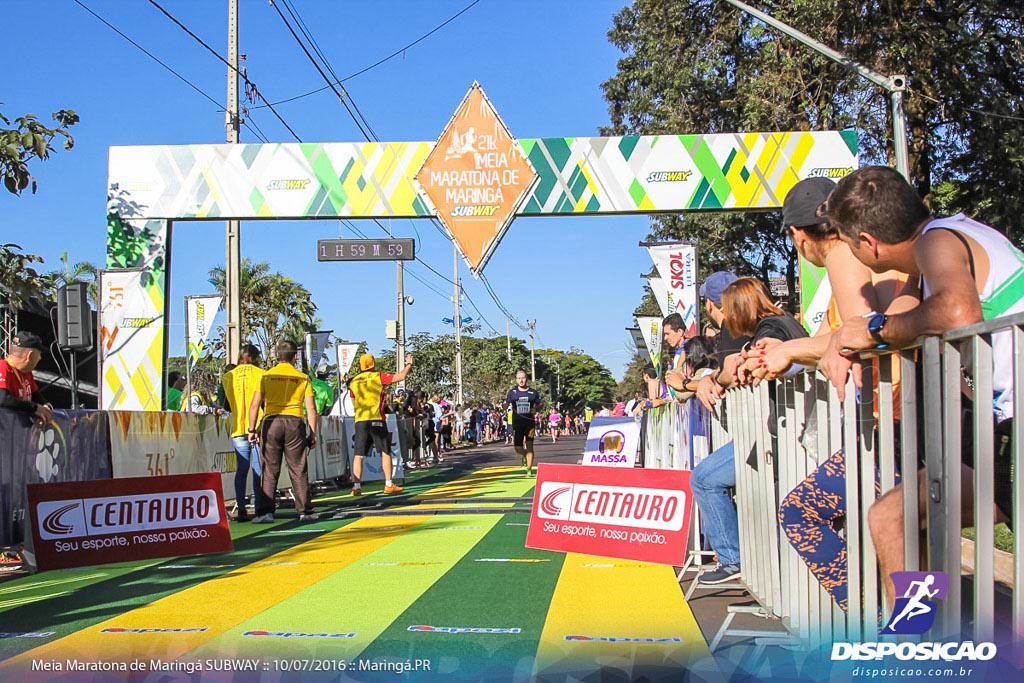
(19, 280)
(29, 139)
(82, 271)
(274, 307)
(705, 67)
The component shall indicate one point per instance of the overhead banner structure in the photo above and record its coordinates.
(677, 266)
(199, 314)
(650, 328)
(661, 294)
(476, 177)
(131, 351)
(475, 160)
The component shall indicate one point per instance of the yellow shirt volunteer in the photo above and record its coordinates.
(239, 386)
(367, 389)
(284, 389)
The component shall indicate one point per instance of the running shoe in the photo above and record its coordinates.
(309, 517)
(393, 489)
(721, 574)
(263, 519)
(356, 492)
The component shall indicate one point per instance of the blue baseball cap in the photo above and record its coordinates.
(716, 284)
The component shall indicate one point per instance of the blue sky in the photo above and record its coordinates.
(540, 63)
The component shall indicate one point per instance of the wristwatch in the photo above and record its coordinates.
(875, 325)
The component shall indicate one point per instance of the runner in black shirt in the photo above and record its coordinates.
(524, 402)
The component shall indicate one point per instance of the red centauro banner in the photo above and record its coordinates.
(632, 514)
(84, 523)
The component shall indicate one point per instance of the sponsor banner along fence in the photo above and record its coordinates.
(634, 514)
(76, 524)
(86, 445)
(677, 266)
(373, 466)
(612, 442)
(71, 448)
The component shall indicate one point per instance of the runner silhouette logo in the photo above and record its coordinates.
(914, 613)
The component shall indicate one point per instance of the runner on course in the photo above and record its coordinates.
(524, 402)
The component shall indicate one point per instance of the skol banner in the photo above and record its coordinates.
(199, 314)
(677, 266)
(85, 523)
(650, 328)
(373, 466)
(316, 350)
(346, 354)
(661, 294)
(612, 442)
(72, 447)
(166, 443)
(632, 514)
(131, 341)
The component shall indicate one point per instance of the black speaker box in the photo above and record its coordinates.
(74, 317)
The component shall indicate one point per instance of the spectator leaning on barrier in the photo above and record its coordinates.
(175, 384)
(748, 313)
(968, 272)
(808, 513)
(285, 393)
(239, 385)
(18, 389)
(673, 331)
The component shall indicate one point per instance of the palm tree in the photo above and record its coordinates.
(83, 271)
(274, 306)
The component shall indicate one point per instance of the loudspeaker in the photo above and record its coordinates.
(74, 317)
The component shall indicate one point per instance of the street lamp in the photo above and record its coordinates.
(895, 85)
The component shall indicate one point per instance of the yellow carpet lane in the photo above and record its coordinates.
(602, 609)
(220, 604)
(490, 481)
(340, 616)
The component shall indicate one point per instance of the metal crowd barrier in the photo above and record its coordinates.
(877, 429)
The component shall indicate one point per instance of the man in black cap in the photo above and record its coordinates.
(18, 389)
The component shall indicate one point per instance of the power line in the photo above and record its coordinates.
(220, 107)
(319, 70)
(229, 65)
(394, 54)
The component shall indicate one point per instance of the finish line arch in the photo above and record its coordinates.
(150, 187)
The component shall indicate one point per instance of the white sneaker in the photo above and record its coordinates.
(263, 519)
(311, 517)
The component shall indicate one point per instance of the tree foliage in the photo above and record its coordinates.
(19, 280)
(488, 373)
(705, 67)
(69, 273)
(274, 307)
(27, 140)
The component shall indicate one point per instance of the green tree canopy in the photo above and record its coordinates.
(274, 307)
(27, 140)
(704, 67)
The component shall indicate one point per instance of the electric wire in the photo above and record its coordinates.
(229, 65)
(388, 58)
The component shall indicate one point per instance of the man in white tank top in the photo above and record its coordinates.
(966, 272)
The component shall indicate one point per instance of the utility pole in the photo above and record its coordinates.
(458, 329)
(232, 264)
(533, 350)
(895, 85)
(400, 286)
(508, 336)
